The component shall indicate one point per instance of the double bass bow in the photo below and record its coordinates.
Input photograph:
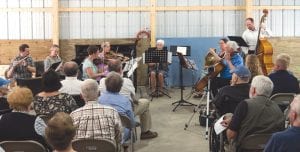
(264, 49)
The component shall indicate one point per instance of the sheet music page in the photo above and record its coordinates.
(218, 127)
(181, 50)
(143, 55)
(169, 57)
(130, 72)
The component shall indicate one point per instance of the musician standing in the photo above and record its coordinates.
(231, 60)
(157, 70)
(22, 66)
(250, 36)
(52, 58)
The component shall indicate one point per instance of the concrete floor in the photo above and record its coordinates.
(170, 126)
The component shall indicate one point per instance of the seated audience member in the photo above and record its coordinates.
(93, 120)
(89, 69)
(19, 124)
(50, 101)
(256, 115)
(3, 92)
(229, 97)
(284, 81)
(52, 58)
(140, 107)
(288, 140)
(252, 63)
(60, 132)
(22, 66)
(71, 85)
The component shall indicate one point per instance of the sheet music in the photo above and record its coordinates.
(131, 66)
(218, 126)
(181, 50)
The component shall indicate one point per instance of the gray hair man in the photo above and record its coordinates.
(96, 121)
(288, 140)
(71, 84)
(140, 107)
(256, 115)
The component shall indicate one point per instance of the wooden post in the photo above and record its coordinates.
(153, 22)
(55, 23)
(249, 8)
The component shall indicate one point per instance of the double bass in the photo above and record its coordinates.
(264, 49)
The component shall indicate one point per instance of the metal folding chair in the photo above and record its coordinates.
(22, 146)
(94, 145)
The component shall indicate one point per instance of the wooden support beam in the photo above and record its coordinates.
(105, 9)
(198, 8)
(25, 9)
(55, 23)
(249, 8)
(153, 22)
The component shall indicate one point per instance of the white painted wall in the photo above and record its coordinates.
(95, 25)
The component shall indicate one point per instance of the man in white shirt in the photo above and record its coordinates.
(71, 85)
(140, 107)
(250, 36)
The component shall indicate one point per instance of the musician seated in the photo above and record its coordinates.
(52, 58)
(157, 70)
(229, 97)
(284, 81)
(231, 60)
(89, 69)
(22, 66)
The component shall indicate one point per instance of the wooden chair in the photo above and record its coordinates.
(94, 145)
(127, 124)
(22, 146)
(283, 100)
(254, 143)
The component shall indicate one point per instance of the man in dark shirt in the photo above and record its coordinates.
(256, 115)
(284, 81)
(228, 97)
(288, 140)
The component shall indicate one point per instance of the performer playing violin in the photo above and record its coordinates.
(230, 60)
(21, 66)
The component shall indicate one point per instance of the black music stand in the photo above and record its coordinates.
(181, 102)
(239, 40)
(158, 57)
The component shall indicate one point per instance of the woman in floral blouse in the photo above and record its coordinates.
(50, 100)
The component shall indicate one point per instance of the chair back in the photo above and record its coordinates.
(283, 100)
(254, 143)
(125, 121)
(34, 84)
(94, 145)
(22, 146)
(39, 65)
(79, 101)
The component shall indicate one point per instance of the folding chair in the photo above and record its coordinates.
(34, 84)
(22, 146)
(79, 101)
(283, 100)
(254, 143)
(94, 145)
(127, 124)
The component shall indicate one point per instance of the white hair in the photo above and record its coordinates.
(263, 85)
(160, 41)
(233, 45)
(89, 90)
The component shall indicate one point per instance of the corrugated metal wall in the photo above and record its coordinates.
(94, 25)
(25, 25)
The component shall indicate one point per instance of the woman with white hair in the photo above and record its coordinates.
(230, 60)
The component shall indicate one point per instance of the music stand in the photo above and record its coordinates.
(239, 40)
(181, 102)
(158, 57)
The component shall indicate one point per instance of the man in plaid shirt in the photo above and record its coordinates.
(93, 120)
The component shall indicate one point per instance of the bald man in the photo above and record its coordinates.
(71, 85)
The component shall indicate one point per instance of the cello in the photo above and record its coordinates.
(216, 67)
(264, 49)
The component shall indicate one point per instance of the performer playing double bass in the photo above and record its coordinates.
(230, 60)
